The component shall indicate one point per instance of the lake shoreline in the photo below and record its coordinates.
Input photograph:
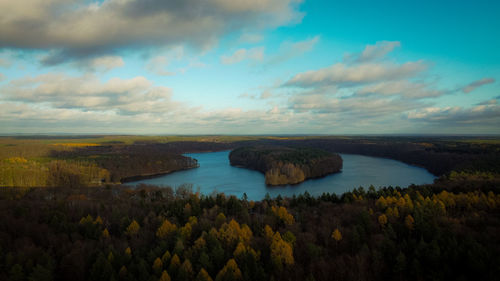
(216, 174)
(132, 179)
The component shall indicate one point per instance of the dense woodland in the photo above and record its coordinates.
(87, 228)
(284, 165)
(418, 233)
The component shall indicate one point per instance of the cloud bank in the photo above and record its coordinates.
(368, 92)
(76, 28)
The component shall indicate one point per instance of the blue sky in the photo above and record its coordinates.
(247, 67)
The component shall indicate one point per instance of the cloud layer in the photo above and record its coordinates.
(77, 28)
(87, 93)
(256, 53)
(366, 92)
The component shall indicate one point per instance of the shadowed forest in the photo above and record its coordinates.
(80, 224)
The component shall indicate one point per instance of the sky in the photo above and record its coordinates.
(249, 67)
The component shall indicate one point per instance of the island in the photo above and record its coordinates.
(286, 165)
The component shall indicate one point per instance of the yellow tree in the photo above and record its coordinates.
(105, 233)
(164, 276)
(337, 235)
(409, 221)
(186, 231)
(409, 202)
(229, 272)
(395, 212)
(199, 243)
(186, 271)
(382, 220)
(87, 219)
(283, 214)
(98, 220)
(175, 263)
(157, 266)
(133, 228)
(203, 276)
(123, 272)
(268, 232)
(220, 219)
(240, 250)
(166, 257)
(389, 212)
(232, 232)
(281, 251)
(381, 203)
(165, 229)
(401, 202)
(128, 252)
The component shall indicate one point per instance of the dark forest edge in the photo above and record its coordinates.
(284, 165)
(442, 231)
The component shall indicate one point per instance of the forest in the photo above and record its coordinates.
(37, 161)
(283, 165)
(64, 215)
(433, 232)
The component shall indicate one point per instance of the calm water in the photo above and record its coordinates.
(215, 173)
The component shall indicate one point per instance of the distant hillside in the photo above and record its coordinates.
(284, 165)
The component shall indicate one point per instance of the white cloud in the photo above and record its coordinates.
(256, 54)
(341, 74)
(373, 52)
(122, 96)
(250, 38)
(289, 50)
(158, 64)
(4, 62)
(2, 77)
(402, 88)
(351, 108)
(486, 114)
(266, 94)
(476, 84)
(77, 28)
(369, 90)
(102, 63)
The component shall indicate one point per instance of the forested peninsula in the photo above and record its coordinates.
(284, 165)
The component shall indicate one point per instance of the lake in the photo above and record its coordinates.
(216, 174)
